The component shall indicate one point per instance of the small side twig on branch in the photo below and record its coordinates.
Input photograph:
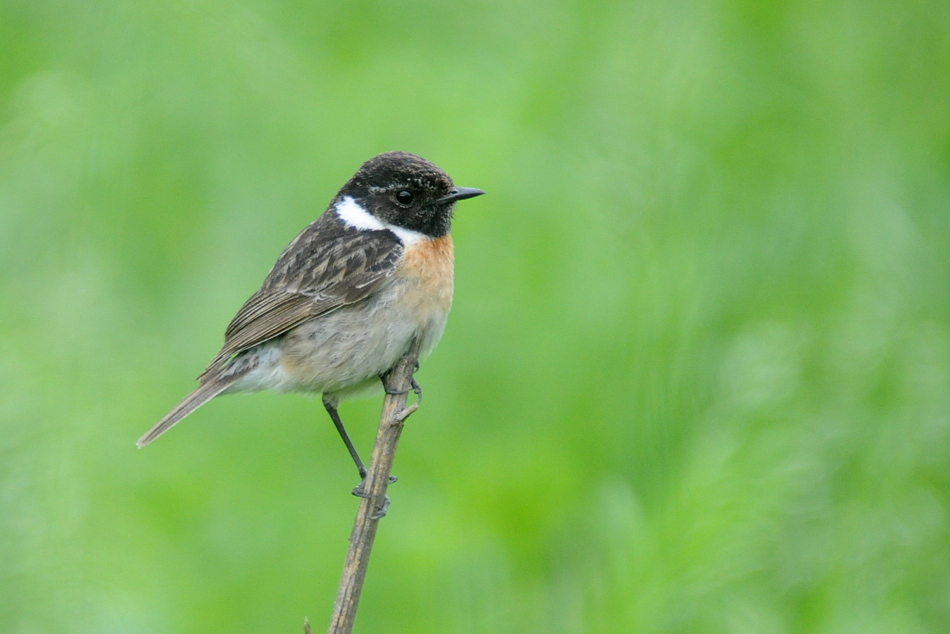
(374, 501)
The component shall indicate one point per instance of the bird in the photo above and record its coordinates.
(347, 297)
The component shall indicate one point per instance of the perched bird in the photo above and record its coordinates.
(347, 297)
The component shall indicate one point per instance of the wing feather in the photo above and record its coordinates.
(327, 266)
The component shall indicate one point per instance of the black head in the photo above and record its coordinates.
(407, 191)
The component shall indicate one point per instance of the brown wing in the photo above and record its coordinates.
(327, 266)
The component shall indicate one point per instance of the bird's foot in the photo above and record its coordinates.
(360, 489)
(381, 511)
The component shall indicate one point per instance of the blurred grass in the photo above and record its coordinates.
(697, 375)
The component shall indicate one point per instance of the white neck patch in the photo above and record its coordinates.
(353, 215)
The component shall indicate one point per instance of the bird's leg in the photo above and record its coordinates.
(338, 423)
(331, 410)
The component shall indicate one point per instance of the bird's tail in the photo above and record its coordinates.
(205, 392)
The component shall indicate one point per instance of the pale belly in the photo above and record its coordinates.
(342, 353)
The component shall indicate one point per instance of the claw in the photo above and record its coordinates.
(381, 511)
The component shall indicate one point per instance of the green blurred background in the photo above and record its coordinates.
(697, 374)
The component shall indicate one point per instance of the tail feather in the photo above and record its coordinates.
(205, 392)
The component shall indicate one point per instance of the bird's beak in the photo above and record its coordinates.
(459, 193)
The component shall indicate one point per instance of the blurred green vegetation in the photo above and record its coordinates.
(696, 378)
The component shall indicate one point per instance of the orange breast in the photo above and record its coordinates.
(427, 266)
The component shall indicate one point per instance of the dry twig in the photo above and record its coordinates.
(374, 502)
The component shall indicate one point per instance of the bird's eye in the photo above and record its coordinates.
(404, 197)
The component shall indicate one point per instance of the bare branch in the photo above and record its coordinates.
(374, 502)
